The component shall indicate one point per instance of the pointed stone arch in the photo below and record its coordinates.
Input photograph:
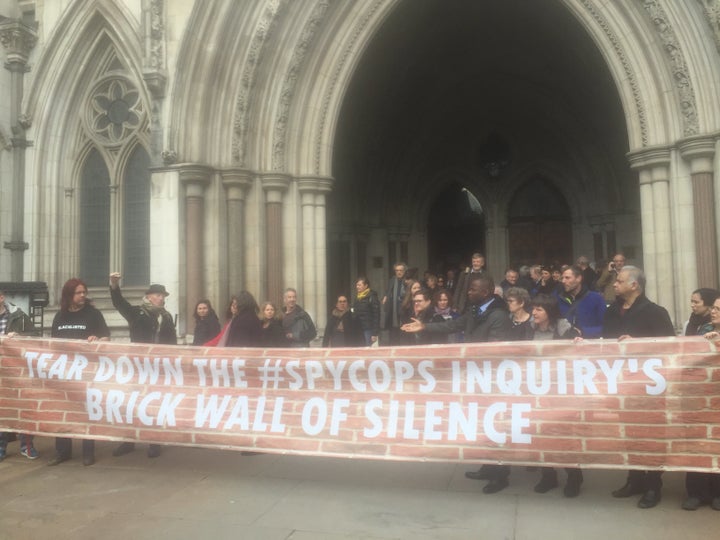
(92, 40)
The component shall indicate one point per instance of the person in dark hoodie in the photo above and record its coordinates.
(486, 319)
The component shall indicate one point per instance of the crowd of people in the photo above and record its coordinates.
(571, 302)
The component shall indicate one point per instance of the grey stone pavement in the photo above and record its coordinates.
(218, 494)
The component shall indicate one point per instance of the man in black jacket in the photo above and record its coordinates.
(149, 322)
(486, 319)
(634, 316)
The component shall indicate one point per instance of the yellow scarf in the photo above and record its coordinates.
(363, 294)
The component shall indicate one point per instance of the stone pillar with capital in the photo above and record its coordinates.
(699, 152)
(195, 178)
(274, 185)
(653, 166)
(236, 182)
(18, 39)
(313, 191)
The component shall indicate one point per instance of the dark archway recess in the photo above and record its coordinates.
(456, 229)
(539, 225)
(486, 90)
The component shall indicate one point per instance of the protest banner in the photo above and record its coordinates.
(639, 403)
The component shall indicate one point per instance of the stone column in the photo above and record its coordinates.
(699, 152)
(312, 196)
(18, 39)
(236, 182)
(195, 179)
(653, 166)
(274, 186)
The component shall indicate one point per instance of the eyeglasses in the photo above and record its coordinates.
(418, 301)
(715, 309)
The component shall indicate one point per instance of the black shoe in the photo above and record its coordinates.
(546, 483)
(572, 487)
(484, 473)
(124, 448)
(153, 450)
(88, 460)
(58, 459)
(628, 490)
(496, 485)
(691, 503)
(650, 499)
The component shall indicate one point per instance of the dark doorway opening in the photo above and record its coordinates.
(456, 229)
(539, 225)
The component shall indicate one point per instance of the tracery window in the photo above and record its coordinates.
(114, 181)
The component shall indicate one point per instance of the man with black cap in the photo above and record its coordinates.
(149, 322)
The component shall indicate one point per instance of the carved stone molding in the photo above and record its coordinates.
(288, 88)
(260, 36)
(18, 39)
(712, 15)
(5, 142)
(627, 68)
(678, 65)
(339, 67)
(169, 157)
(649, 158)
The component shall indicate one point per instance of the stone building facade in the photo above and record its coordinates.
(218, 145)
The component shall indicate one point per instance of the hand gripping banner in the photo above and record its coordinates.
(642, 403)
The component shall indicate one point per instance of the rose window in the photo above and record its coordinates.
(116, 110)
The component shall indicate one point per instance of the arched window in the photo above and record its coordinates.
(136, 218)
(95, 220)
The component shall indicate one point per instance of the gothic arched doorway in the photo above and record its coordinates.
(539, 225)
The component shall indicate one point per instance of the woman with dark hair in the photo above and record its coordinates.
(443, 311)
(343, 329)
(701, 302)
(366, 309)
(547, 284)
(272, 332)
(220, 340)
(245, 328)
(407, 309)
(547, 324)
(207, 324)
(77, 319)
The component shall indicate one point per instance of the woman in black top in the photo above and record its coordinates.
(77, 319)
(207, 325)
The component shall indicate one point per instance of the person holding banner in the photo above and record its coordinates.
(632, 315)
(703, 488)
(487, 319)
(14, 321)
(149, 322)
(547, 324)
(77, 319)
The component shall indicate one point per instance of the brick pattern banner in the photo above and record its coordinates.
(644, 403)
